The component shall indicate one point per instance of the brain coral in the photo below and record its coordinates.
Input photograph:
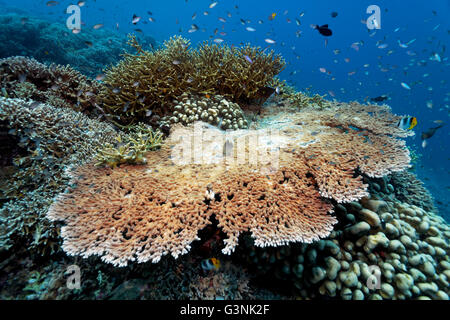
(274, 182)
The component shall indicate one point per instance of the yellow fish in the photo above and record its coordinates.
(210, 264)
(272, 16)
(407, 123)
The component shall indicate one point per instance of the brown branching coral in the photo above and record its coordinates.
(150, 81)
(57, 85)
(271, 183)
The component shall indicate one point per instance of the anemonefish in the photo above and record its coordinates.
(210, 264)
(407, 123)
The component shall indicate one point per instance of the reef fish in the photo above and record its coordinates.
(135, 19)
(404, 85)
(324, 30)
(380, 98)
(210, 264)
(430, 132)
(407, 123)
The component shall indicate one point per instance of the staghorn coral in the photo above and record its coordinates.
(274, 186)
(45, 141)
(150, 81)
(58, 85)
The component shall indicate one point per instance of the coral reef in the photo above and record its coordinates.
(130, 148)
(51, 42)
(59, 86)
(278, 199)
(411, 190)
(382, 248)
(150, 81)
(49, 141)
(300, 100)
(215, 110)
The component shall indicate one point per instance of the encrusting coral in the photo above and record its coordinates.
(277, 191)
(150, 81)
(57, 85)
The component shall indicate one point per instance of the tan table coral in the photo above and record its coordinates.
(273, 181)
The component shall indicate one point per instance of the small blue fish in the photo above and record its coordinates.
(248, 59)
(404, 85)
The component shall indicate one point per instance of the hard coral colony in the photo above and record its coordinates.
(114, 169)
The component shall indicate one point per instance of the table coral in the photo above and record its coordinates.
(140, 213)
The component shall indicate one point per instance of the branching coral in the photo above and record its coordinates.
(129, 148)
(58, 85)
(150, 81)
(299, 100)
(274, 185)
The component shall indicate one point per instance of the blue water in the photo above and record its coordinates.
(370, 71)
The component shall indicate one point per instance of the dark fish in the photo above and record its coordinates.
(430, 132)
(324, 30)
(380, 98)
(334, 14)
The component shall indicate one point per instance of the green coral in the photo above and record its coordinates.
(297, 99)
(150, 81)
(130, 148)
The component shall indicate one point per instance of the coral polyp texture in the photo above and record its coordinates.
(151, 80)
(60, 86)
(277, 182)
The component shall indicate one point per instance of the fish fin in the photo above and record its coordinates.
(324, 26)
